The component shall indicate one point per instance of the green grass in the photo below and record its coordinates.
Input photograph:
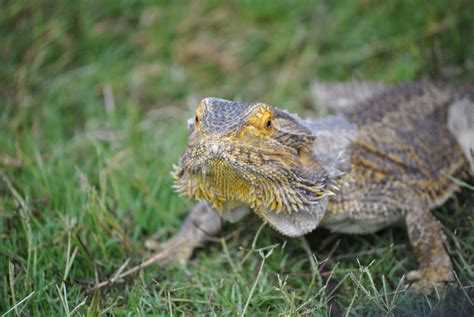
(93, 101)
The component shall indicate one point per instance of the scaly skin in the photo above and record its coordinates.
(386, 160)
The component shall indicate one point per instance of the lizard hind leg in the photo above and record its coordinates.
(426, 238)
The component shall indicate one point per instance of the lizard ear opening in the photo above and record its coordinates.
(307, 159)
(291, 131)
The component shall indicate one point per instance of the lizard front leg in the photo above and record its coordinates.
(202, 223)
(426, 238)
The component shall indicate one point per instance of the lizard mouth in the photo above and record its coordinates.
(221, 175)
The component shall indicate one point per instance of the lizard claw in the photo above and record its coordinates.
(177, 250)
(426, 280)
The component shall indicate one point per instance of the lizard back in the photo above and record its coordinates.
(403, 136)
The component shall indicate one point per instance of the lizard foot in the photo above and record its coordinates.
(175, 249)
(426, 280)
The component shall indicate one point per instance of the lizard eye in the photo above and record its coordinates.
(198, 114)
(268, 124)
(197, 122)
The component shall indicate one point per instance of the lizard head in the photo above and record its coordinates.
(250, 154)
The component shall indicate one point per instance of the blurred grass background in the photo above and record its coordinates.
(93, 101)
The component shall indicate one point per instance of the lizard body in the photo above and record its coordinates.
(388, 159)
